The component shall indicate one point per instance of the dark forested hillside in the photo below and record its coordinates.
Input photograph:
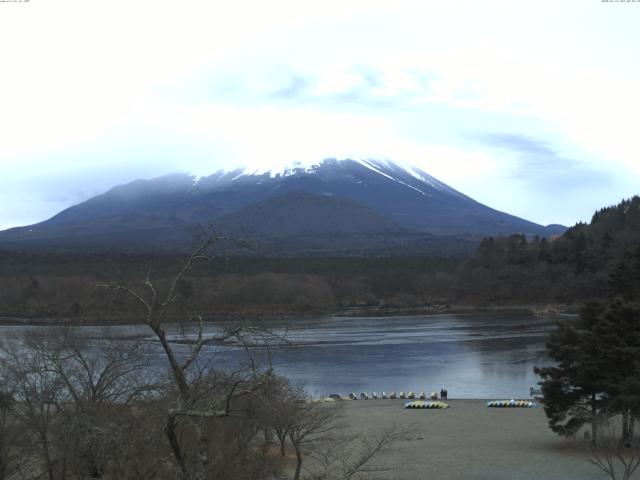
(569, 268)
(513, 270)
(63, 285)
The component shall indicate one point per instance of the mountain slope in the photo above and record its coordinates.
(302, 213)
(336, 197)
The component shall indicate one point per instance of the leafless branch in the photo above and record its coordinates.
(610, 454)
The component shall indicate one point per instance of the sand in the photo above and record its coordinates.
(470, 441)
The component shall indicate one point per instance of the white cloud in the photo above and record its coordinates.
(149, 87)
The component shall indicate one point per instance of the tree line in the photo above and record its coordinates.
(568, 269)
(513, 270)
(56, 286)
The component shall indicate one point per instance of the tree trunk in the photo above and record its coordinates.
(46, 454)
(625, 428)
(283, 447)
(203, 454)
(298, 463)
(95, 473)
(183, 388)
(176, 369)
(594, 420)
(4, 447)
(170, 432)
(268, 440)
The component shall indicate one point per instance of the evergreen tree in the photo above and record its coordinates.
(624, 280)
(618, 331)
(598, 359)
(574, 389)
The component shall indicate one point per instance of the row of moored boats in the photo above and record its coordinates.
(384, 396)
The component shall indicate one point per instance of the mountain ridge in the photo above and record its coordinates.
(363, 194)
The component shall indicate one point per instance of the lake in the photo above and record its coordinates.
(472, 355)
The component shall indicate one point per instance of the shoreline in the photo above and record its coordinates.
(456, 400)
(543, 310)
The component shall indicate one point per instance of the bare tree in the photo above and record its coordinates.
(283, 412)
(198, 399)
(99, 371)
(37, 391)
(617, 457)
(10, 436)
(74, 399)
(311, 423)
(101, 378)
(353, 456)
(315, 431)
(156, 308)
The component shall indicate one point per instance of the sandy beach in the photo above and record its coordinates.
(470, 441)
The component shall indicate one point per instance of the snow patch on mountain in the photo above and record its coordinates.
(393, 170)
(285, 170)
(406, 175)
(375, 166)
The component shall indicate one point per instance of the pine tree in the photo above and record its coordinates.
(598, 359)
(618, 330)
(574, 389)
(624, 280)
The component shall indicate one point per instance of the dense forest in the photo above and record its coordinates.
(513, 270)
(568, 269)
(65, 285)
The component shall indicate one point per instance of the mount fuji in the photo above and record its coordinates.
(334, 207)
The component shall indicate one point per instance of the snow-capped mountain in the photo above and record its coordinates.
(375, 202)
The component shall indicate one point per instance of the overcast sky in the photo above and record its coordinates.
(528, 106)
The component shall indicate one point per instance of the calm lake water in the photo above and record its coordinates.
(472, 355)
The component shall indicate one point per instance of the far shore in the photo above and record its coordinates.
(469, 441)
(535, 310)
